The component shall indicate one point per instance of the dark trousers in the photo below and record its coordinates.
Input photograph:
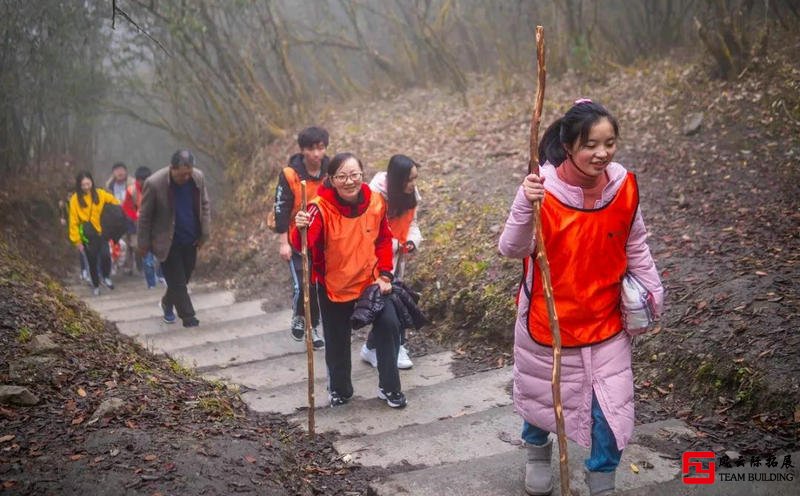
(337, 329)
(296, 268)
(177, 270)
(97, 252)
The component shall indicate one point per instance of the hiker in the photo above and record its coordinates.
(131, 206)
(85, 207)
(350, 245)
(398, 187)
(174, 221)
(118, 185)
(309, 165)
(594, 234)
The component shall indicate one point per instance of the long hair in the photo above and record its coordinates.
(573, 127)
(397, 174)
(79, 192)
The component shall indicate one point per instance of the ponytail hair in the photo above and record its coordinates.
(572, 128)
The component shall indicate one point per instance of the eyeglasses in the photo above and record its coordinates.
(353, 176)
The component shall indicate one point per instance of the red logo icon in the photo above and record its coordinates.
(693, 467)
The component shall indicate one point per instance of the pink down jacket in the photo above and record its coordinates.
(604, 367)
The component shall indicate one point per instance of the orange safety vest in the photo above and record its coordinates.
(587, 256)
(350, 260)
(312, 185)
(401, 225)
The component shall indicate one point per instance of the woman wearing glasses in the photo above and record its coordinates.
(350, 245)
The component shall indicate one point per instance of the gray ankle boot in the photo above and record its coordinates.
(538, 474)
(600, 483)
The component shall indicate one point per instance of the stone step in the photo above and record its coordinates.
(238, 351)
(274, 372)
(181, 337)
(113, 300)
(138, 311)
(208, 317)
(451, 398)
(122, 283)
(504, 473)
(449, 440)
(287, 398)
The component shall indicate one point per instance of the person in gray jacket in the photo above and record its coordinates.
(174, 221)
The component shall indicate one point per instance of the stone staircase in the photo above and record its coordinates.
(458, 435)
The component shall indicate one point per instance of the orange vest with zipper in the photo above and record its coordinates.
(401, 225)
(586, 250)
(350, 259)
(312, 185)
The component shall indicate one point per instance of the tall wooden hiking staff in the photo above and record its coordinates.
(307, 309)
(544, 266)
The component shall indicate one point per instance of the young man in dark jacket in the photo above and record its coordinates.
(310, 165)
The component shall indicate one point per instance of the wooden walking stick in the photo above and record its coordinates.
(544, 265)
(307, 310)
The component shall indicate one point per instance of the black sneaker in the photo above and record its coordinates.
(317, 340)
(191, 322)
(298, 328)
(337, 399)
(394, 400)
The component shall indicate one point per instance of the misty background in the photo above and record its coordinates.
(93, 82)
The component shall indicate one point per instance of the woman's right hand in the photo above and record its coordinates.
(302, 219)
(533, 187)
(80, 247)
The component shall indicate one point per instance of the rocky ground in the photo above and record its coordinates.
(85, 410)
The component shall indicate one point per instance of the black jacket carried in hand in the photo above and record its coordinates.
(372, 302)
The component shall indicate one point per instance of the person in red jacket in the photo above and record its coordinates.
(131, 206)
(350, 245)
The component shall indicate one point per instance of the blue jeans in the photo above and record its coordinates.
(604, 456)
(151, 269)
(298, 307)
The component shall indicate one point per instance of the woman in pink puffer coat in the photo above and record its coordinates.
(594, 234)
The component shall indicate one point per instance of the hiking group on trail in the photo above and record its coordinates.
(360, 236)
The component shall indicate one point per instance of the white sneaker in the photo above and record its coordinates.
(403, 360)
(96, 291)
(369, 356)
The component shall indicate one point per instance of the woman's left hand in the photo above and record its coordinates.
(384, 285)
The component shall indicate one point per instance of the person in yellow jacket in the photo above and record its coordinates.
(85, 207)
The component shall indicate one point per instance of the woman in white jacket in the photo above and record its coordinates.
(398, 187)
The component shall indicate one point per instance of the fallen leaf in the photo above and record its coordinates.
(634, 468)
(760, 273)
(249, 459)
(130, 424)
(81, 392)
(7, 437)
(76, 457)
(9, 484)
(78, 420)
(149, 458)
(113, 452)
